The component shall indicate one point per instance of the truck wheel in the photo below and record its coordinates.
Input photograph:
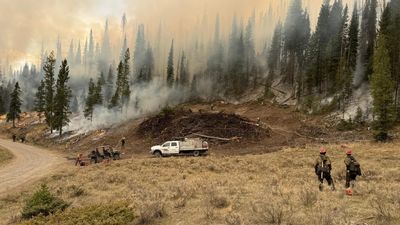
(158, 154)
(196, 153)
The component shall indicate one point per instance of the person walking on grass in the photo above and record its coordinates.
(353, 169)
(323, 168)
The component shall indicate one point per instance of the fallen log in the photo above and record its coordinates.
(217, 138)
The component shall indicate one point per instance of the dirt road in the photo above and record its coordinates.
(28, 165)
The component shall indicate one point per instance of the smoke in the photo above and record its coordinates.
(27, 24)
(144, 100)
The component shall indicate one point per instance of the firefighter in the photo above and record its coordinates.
(353, 169)
(123, 143)
(323, 168)
(79, 160)
(93, 157)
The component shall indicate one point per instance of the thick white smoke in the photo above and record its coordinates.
(144, 100)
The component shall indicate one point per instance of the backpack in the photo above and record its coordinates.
(322, 166)
(354, 166)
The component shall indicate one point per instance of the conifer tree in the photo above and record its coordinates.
(99, 92)
(183, 71)
(108, 92)
(353, 38)
(116, 98)
(90, 101)
(367, 39)
(170, 67)
(149, 64)
(62, 98)
(49, 82)
(15, 105)
(274, 56)
(139, 55)
(2, 105)
(125, 87)
(40, 100)
(122, 93)
(382, 89)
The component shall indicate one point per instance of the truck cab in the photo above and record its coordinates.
(170, 147)
(190, 146)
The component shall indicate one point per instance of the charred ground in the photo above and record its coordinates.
(252, 128)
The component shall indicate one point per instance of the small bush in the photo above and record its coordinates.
(233, 219)
(218, 201)
(44, 203)
(76, 191)
(107, 214)
(150, 211)
(308, 198)
(384, 211)
(274, 212)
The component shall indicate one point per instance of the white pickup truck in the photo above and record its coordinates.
(190, 146)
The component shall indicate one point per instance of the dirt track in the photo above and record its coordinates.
(28, 165)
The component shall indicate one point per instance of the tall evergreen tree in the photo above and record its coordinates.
(215, 67)
(296, 37)
(90, 101)
(2, 105)
(353, 38)
(390, 28)
(126, 92)
(15, 105)
(108, 92)
(40, 100)
(382, 89)
(367, 40)
(122, 93)
(49, 82)
(139, 55)
(62, 98)
(99, 91)
(274, 56)
(170, 67)
(183, 71)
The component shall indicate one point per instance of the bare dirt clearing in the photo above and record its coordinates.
(28, 165)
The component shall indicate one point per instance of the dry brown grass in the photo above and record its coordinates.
(276, 188)
(5, 156)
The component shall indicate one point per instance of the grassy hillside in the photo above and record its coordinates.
(275, 188)
(5, 156)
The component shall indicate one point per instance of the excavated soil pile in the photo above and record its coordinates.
(174, 124)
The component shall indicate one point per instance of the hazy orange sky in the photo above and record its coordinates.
(26, 24)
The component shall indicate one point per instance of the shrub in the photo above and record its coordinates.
(233, 219)
(150, 211)
(44, 203)
(105, 214)
(218, 201)
(76, 191)
(308, 197)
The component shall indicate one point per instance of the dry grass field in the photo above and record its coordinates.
(5, 156)
(274, 188)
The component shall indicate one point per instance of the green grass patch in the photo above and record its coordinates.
(103, 214)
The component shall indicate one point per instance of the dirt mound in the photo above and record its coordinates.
(173, 124)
